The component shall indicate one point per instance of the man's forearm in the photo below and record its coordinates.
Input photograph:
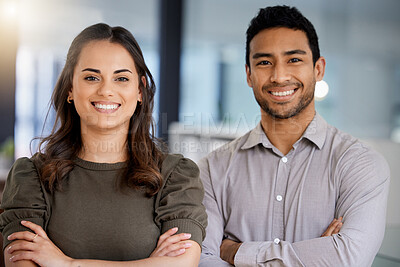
(212, 260)
(228, 250)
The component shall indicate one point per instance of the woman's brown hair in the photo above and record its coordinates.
(62, 146)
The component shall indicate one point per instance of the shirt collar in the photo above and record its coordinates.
(315, 132)
(257, 136)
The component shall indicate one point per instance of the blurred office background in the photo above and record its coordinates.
(195, 50)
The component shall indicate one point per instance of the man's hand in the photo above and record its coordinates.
(228, 250)
(334, 227)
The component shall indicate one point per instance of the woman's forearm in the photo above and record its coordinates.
(8, 263)
(190, 258)
(171, 250)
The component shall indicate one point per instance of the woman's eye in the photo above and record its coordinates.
(122, 79)
(91, 78)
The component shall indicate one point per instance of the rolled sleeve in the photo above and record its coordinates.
(252, 254)
(247, 254)
(179, 202)
(23, 199)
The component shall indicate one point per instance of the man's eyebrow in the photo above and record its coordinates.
(286, 53)
(258, 55)
(295, 52)
(92, 70)
(123, 70)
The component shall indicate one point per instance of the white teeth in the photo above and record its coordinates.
(285, 93)
(105, 107)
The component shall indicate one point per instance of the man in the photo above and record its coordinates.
(271, 193)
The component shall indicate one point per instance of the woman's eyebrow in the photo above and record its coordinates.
(98, 71)
(123, 70)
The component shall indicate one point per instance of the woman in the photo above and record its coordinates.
(100, 187)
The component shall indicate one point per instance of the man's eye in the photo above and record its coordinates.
(264, 62)
(294, 60)
(91, 78)
(122, 79)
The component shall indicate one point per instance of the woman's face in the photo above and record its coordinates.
(105, 88)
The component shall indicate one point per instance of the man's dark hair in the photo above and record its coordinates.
(282, 16)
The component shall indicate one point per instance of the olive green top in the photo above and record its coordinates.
(92, 218)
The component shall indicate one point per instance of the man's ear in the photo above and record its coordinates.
(319, 69)
(248, 78)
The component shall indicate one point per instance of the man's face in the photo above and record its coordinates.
(282, 73)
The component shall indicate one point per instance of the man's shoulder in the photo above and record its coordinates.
(349, 149)
(225, 153)
(343, 142)
(229, 148)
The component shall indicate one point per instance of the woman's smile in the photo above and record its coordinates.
(106, 107)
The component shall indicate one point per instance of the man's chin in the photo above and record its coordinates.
(281, 115)
(284, 114)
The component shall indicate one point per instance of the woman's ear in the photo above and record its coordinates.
(140, 96)
(70, 97)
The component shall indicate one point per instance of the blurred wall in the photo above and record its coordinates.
(8, 53)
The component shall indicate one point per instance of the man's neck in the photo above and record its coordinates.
(283, 133)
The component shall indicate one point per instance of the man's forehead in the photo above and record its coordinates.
(279, 40)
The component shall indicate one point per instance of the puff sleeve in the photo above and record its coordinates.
(23, 199)
(179, 202)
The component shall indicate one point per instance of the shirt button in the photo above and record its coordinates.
(279, 198)
(277, 240)
(284, 159)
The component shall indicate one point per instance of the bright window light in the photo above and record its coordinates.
(9, 9)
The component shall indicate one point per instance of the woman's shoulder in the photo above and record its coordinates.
(170, 161)
(28, 163)
(25, 168)
(178, 163)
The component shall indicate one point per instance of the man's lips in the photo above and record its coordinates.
(282, 90)
(283, 93)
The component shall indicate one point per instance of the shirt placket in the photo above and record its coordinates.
(281, 180)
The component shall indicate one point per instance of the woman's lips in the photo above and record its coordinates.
(106, 107)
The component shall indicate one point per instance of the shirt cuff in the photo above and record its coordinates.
(186, 226)
(246, 256)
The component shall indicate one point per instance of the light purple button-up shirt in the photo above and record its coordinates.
(279, 205)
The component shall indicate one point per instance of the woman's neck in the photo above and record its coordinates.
(104, 147)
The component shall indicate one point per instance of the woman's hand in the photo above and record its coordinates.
(36, 247)
(171, 245)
